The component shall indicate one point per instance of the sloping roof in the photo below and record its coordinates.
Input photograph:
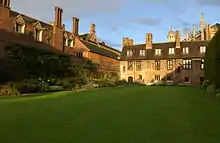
(98, 50)
(28, 19)
(150, 54)
(85, 37)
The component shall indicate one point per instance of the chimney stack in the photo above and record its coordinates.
(207, 32)
(177, 38)
(58, 16)
(187, 35)
(194, 32)
(202, 26)
(75, 26)
(127, 42)
(149, 40)
(92, 28)
(5, 3)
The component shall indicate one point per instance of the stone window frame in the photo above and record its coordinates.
(19, 20)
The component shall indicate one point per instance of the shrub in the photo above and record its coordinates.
(211, 89)
(54, 88)
(9, 92)
(27, 86)
(121, 82)
(205, 84)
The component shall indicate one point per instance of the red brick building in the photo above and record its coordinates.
(19, 28)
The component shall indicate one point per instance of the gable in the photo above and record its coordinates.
(68, 35)
(19, 19)
(38, 25)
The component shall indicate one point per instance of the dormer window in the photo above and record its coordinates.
(202, 49)
(69, 42)
(186, 50)
(157, 52)
(19, 28)
(129, 53)
(38, 35)
(171, 51)
(142, 52)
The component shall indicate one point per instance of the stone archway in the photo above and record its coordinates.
(130, 79)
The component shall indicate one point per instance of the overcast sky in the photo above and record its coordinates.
(116, 19)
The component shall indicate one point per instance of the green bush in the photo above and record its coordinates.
(205, 84)
(9, 92)
(211, 89)
(27, 85)
(54, 88)
(212, 60)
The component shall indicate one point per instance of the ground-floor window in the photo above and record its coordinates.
(157, 77)
(140, 77)
(169, 77)
(201, 80)
(130, 79)
(186, 79)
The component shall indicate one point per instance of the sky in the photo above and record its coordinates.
(115, 19)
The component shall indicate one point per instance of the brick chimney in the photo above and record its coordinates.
(58, 16)
(207, 32)
(75, 26)
(5, 22)
(92, 28)
(58, 28)
(149, 40)
(177, 38)
(187, 35)
(127, 42)
(5, 3)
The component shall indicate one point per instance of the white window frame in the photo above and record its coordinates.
(142, 52)
(185, 50)
(129, 53)
(202, 64)
(202, 49)
(22, 28)
(40, 38)
(157, 52)
(171, 51)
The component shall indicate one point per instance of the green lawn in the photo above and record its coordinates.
(113, 115)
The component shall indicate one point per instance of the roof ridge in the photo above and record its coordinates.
(22, 14)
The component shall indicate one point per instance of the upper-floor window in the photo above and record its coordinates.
(123, 68)
(187, 64)
(170, 64)
(130, 65)
(138, 65)
(69, 42)
(171, 51)
(185, 50)
(202, 49)
(202, 64)
(129, 53)
(19, 28)
(38, 35)
(142, 52)
(157, 65)
(157, 52)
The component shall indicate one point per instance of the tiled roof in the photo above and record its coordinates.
(98, 50)
(150, 54)
(28, 19)
(85, 37)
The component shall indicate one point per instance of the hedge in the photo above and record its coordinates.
(212, 61)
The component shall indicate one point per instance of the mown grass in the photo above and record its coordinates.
(113, 115)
